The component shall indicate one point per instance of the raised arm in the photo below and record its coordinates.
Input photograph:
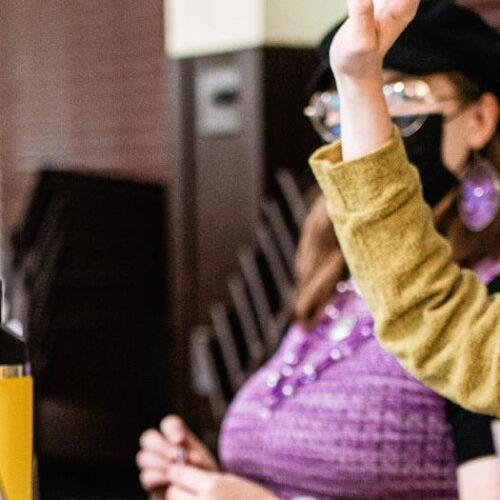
(436, 318)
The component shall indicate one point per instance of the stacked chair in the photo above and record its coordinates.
(89, 260)
(245, 332)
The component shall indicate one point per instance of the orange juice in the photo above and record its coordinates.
(16, 434)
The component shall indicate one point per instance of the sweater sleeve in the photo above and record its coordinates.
(435, 317)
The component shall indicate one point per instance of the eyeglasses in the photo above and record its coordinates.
(410, 102)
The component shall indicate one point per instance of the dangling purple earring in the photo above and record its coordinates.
(479, 194)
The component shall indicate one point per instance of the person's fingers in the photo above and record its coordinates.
(153, 441)
(153, 479)
(393, 17)
(151, 460)
(358, 37)
(197, 452)
(175, 493)
(359, 7)
(361, 16)
(405, 10)
(174, 429)
(192, 478)
(177, 433)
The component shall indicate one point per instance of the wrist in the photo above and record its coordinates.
(365, 72)
(360, 88)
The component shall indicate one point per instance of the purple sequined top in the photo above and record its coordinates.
(361, 428)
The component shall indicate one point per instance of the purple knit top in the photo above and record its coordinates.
(363, 429)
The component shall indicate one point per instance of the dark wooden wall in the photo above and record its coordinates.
(82, 82)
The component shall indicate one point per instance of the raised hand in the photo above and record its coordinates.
(371, 29)
(161, 449)
(356, 57)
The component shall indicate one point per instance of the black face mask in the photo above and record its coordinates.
(424, 151)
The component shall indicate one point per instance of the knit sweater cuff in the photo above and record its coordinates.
(370, 181)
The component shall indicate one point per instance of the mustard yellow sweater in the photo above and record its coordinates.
(436, 318)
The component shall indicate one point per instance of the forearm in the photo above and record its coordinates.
(366, 124)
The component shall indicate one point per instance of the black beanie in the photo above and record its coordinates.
(443, 37)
